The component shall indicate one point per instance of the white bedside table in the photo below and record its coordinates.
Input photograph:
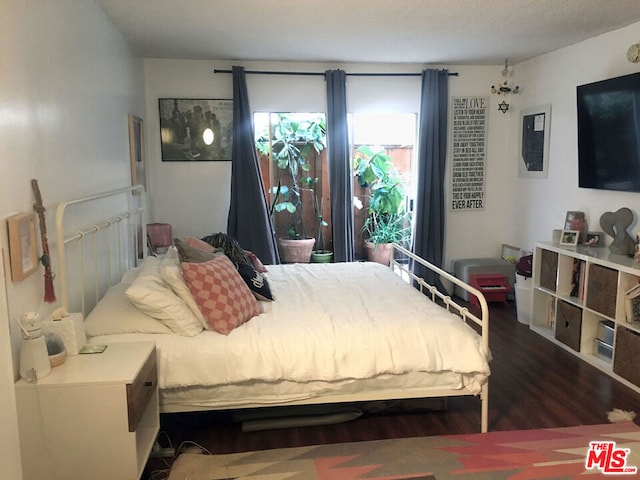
(96, 416)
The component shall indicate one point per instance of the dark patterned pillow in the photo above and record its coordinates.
(256, 282)
(230, 246)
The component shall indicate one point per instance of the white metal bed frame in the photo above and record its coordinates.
(115, 243)
(112, 253)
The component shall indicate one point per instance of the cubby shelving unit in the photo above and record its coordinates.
(579, 304)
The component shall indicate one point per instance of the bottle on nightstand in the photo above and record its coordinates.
(34, 358)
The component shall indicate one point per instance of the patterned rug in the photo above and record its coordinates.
(558, 453)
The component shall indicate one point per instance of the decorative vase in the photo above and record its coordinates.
(295, 251)
(380, 253)
(321, 256)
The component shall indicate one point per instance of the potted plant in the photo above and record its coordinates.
(320, 254)
(291, 142)
(387, 221)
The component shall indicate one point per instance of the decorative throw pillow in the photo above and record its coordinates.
(152, 296)
(230, 246)
(171, 274)
(256, 282)
(256, 262)
(197, 243)
(221, 294)
(190, 254)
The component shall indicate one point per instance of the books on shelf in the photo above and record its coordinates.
(551, 313)
(578, 275)
(632, 304)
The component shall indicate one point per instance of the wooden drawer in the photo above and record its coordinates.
(601, 290)
(548, 269)
(626, 359)
(569, 324)
(139, 391)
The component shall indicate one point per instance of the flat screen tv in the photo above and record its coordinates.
(609, 134)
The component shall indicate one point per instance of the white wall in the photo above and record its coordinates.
(194, 196)
(540, 205)
(68, 81)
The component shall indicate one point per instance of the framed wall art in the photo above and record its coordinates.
(22, 246)
(533, 160)
(136, 151)
(195, 130)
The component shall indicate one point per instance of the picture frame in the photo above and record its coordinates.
(136, 151)
(593, 239)
(22, 246)
(575, 220)
(533, 159)
(510, 253)
(199, 130)
(569, 237)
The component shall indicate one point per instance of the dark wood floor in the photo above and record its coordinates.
(533, 384)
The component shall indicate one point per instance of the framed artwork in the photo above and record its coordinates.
(593, 239)
(136, 151)
(22, 246)
(533, 161)
(194, 130)
(576, 221)
(569, 237)
(510, 253)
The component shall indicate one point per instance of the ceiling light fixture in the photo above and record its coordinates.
(504, 87)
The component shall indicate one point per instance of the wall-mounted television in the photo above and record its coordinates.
(609, 134)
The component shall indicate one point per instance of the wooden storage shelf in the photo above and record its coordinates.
(575, 290)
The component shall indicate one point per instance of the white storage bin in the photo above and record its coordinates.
(524, 299)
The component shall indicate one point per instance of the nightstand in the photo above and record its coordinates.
(96, 416)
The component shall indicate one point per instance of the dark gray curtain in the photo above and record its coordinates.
(340, 176)
(429, 219)
(249, 221)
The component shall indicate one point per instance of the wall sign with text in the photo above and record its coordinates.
(468, 152)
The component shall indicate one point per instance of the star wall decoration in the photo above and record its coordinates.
(503, 107)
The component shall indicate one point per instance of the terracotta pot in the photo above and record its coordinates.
(380, 253)
(295, 251)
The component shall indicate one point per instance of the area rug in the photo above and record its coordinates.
(558, 453)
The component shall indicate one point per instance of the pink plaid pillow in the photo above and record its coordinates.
(221, 294)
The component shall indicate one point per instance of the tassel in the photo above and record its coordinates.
(49, 293)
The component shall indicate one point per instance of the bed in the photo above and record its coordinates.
(334, 333)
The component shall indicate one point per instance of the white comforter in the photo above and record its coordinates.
(328, 322)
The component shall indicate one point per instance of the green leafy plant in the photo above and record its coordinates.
(291, 142)
(387, 220)
(380, 229)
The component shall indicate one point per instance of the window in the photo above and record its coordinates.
(393, 135)
(292, 153)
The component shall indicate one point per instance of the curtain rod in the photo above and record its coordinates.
(317, 74)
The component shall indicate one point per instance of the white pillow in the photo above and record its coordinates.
(151, 295)
(130, 275)
(116, 314)
(171, 274)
